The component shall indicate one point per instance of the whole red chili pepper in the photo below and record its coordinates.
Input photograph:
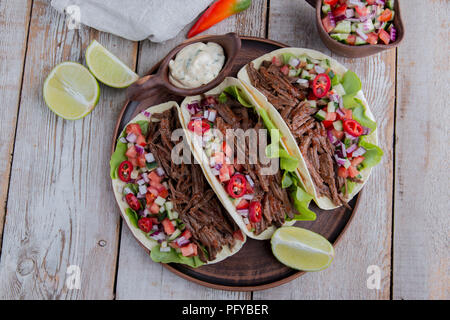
(219, 10)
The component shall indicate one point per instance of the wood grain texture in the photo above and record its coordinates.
(153, 281)
(61, 210)
(368, 238)
(421, 220)
(14, 22)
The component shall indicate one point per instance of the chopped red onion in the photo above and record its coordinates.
(333, 97)
(248, 196)
(361, 34)
(356, 3)
(212, 115)
(249, 179)
(218, 166)
(349, 13)
(341, 102)
(393, 34)
(160, 171)
(382, 2)
(147, 213)
(146, 113)
(182, 241)
(339, 161)
(127, 191)
(140, 195)
(131, 138)
(352, 148)
(339, 18)
(142, 189)
(319, 69)
(123, 140)
(340, 112)
(331, 137)
(332, 19)
(349, 136)
(158, 236)
(140, 182)
(145, 177)
(343, 150)
(359, 152)
(193, 107)
(366, 131)
(149, 158)
(243, 212)
(139, 149)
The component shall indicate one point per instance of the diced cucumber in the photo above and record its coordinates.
(343, 27)
(339, 36)
(347, 164)
(338, 125)
(331, 107)
(160, 201)
(325, 64)
(380, 10)
(174, 235)
(305, 75)
(354, 26)
(309, 66)
(172, 214)
(321, 115)
(339, 90)
(368, 24)
(326, 8)
(303, 58)
(168, 205)
(162, 209)
(294, 72)
(359, 41)
(390, 4)
(312, 103)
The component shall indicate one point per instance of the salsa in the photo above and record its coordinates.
(358, 23)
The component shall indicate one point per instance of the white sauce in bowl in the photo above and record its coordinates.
(196, 65)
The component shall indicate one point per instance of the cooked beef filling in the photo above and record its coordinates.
(192, 197)
(287, 96)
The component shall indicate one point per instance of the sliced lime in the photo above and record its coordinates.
(302, 249)
(71, 91)
(107, 68)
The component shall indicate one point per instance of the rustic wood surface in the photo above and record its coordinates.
(57, 209)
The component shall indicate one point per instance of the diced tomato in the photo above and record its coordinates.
(362, 11)
(327, 25)
(384, 36)
(151, 196)
(331, 116)
(131, 153)
(338, 134)
(285, 69)
(340, 11)
(371, 2)
(238, 235)
(141, 140)
(311, 96)
(342, 172)
(189, 250)
(164, 193)
(145, 224)
(153, 176)
(186, 234)
(152, 190)
(342, 2)
(372, 38)
(277, 61)
(385, 16)
(134, 128)
(133, 161)
(352, 172)
(224, 174)
(158, 186)
(174, 245)
(347, 114)
(154, 208)
(141, 161)
(327, 124)
(356, 161)
(331, 2)
(243, 204)
(351, 39)
(168, 226)
(154, 220)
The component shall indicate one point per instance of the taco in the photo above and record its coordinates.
(169, 208)
(258, 198)
(318, 105)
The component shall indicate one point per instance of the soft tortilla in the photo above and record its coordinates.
(119, 185)
(323, 202)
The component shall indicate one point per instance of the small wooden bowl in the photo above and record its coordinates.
(151, 84)
(356, 51)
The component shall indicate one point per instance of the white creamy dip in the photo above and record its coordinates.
(196, 65)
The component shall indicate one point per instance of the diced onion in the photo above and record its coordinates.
(131, 137)
(166, 249)
(127, 191)
(248, 196)
(349, 13)
(212, 115)
(215, 172)
(352, 148)
(293, 62)
(319, 69)
(193, 107)
(359, 152)
(142, 189)
(249, 179)
(362, 35)
(243, 212)
(139, 149)
(160, 171)
(123, 140)
(140, 182)
(331, 137)
(149, 157)
(145, 177)
(339, 161)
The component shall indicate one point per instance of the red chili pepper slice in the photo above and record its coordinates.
(145, 224)
(133, 202)
(353, 127)
(237, 186)
(124, 171)
(321, 85)
(199, 126)
(255, 211)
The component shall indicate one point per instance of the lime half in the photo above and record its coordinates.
(71, 91)
(302, 249)
(107, 68)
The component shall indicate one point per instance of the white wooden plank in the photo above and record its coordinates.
(14, 22)
(61, 210)
(139, 277)
(368, 239)
(421, 219)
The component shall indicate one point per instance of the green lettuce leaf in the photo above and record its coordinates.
(223, 97)
(144, 124)
(118, 157)
(301, 200)
(132, 215)
(235, 92)
(373, 154)
(174, 257)
(287, 57)
(286, 181)
(351, 83)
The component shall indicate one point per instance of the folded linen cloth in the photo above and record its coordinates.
(157, 20)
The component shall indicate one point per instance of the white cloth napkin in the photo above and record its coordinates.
(157, 20)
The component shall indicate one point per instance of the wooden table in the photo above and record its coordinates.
(56, 204)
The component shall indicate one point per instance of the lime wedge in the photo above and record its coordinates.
(302, 249)
(107, 68)
(71, 91)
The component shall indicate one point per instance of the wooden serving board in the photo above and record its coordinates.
(254, 267)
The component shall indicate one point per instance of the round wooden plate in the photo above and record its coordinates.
(254, 267)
